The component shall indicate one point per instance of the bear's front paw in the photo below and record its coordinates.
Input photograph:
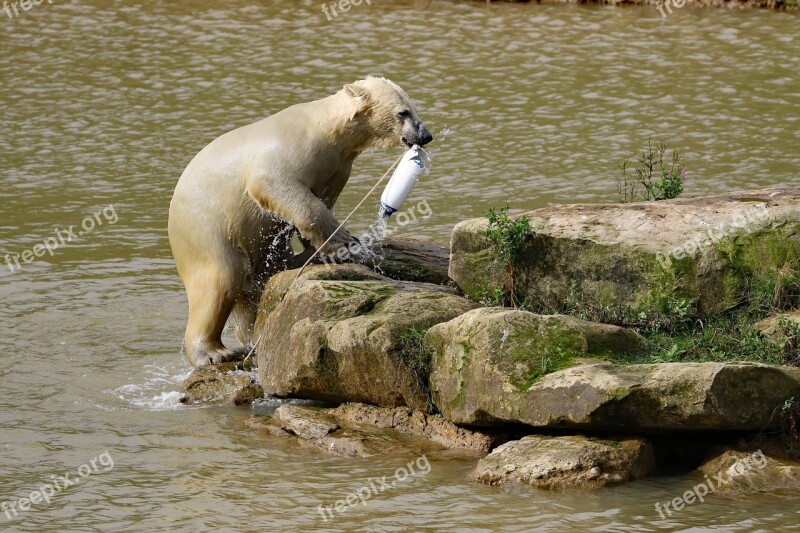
(218, 356)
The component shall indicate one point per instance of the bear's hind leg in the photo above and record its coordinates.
(212, 294)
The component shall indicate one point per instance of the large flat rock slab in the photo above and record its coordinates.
(340, 334)
(358, 430)
(405, 420)
(629, 263)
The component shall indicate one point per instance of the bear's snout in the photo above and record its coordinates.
(420, 137)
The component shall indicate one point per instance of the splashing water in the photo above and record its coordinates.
(154, 387)
(440, 138)
(372, 241)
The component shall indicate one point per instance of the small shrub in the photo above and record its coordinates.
(653, 178)
(506, 236)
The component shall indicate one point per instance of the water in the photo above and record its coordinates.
(105, 102)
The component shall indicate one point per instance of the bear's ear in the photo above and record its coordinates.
(355, 91)
(360, 99)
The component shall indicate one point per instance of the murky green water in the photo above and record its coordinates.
(104, 103)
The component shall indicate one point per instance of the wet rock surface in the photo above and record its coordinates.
(411, 260)
(759, 466)
(343, 432)
(225, 384)
(408, 421)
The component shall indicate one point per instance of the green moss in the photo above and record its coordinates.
(675, 330)
(610, 443)
(416, 358)
(551, 361)
(618, 393)
(467, 345)
(539, 350)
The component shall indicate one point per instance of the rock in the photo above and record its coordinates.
(266, 424)
(629, 263)
(341, 333)
(279, 284)
(355, 443)
(485, 360)
(571, 462)
(411, 260)
(407, 260)
(417, 423)
(758, 467)
(220, 385)
(315, 427)
(775, 327)
(485, 372)
(305, 422)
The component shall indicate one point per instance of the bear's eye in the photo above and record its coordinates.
(405, 113)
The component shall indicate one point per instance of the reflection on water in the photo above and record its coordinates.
(105, 102)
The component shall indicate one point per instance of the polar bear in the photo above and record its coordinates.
(239, 201)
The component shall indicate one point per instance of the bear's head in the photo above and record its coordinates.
(385, 114)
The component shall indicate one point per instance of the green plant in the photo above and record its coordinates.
(790, 427)
(654, 178)
(492, 299)
(506, 236)
(790, 340)
(417, 359)
(729, 336)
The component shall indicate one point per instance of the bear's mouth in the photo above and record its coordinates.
(405, 141)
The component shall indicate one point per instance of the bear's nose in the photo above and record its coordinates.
(425, 137)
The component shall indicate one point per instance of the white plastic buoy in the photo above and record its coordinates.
(414, 163)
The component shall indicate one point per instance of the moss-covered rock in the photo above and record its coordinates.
(570, 462)
(642, 261)
(491, 366)
(337, 335)
(486, 360)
